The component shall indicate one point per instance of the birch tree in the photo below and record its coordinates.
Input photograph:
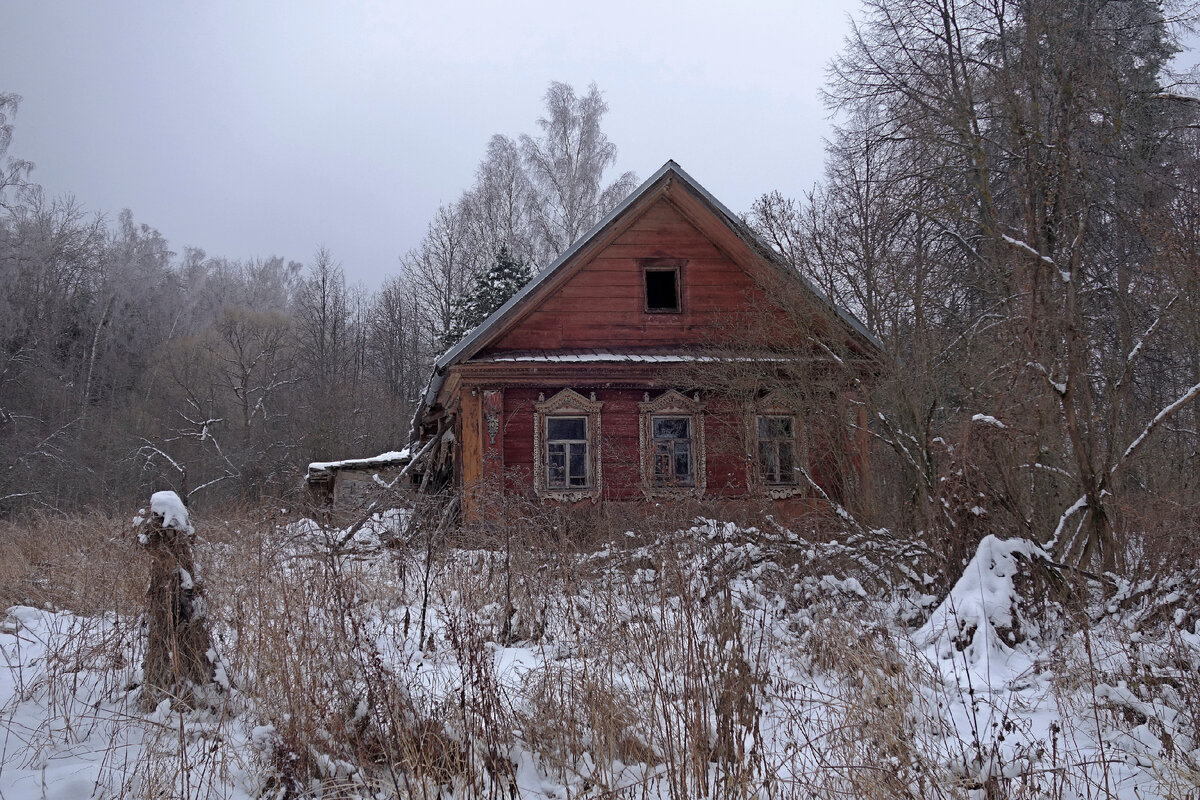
(566, 166)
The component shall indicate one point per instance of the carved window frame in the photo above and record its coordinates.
(777, 404)
(672, 403)
(567, 403)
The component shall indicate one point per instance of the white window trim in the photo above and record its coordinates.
(776, 404)
(567, 403)
(672, 404)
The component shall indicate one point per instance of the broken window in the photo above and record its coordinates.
(671, 456)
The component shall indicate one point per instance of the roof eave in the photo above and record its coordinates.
(477, 338)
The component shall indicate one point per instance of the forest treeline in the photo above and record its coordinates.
(1011, 204)
(126, 366)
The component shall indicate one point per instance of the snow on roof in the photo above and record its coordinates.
(623, 356)
(172, 510)
(392, 458)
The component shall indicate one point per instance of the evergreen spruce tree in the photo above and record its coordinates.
(491, 289)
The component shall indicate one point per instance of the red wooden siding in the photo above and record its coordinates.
(726, 460)
(595, 300)
(602, 304)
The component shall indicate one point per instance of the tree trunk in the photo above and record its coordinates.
(179, 651)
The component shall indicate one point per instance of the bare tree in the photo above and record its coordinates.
(499, 207)
(397, 346)
(566, 167)
(1037, 142)
(441, 268)
(14, 172)
(253, 355)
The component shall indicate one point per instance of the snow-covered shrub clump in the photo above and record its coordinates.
(982, 620)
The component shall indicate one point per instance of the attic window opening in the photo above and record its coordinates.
(662, 289)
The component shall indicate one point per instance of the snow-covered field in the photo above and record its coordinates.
(710, 661)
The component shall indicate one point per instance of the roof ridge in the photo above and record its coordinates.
(671, 167)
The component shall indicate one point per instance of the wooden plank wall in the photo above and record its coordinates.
(602, 306)
(471, 448)
(619, 420)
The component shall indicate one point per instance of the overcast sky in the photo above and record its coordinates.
(253, 128)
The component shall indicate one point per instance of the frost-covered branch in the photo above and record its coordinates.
(1136, 351)
(1049, 468)
(1025, 247)
(1060, 387)
(977, 327)
(149, 450)
(1074, 509)
(1152, 425)
(957, 237)
(207, 484)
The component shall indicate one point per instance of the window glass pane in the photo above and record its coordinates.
(662, 462)
(671, 427)
(787, 463)
(566, 428)
(683, 461)
(768, 462)
(578, 465)
(776, 448)
(774, 427)
(556, 463)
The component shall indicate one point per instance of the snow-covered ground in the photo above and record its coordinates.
(712, 661)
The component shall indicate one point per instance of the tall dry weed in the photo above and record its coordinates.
(86, 563)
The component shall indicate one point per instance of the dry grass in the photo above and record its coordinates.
(673, 663)
(88, 564)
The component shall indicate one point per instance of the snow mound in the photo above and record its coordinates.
(982, 611)
(172, 510)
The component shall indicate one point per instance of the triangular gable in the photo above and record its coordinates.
(729, 234)
(641, 198)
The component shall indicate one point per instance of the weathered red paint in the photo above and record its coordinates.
(597, 301)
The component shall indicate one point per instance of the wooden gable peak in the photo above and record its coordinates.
(654, 186)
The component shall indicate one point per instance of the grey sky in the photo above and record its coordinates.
(255, 128)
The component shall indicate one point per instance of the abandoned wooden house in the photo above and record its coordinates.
(667, 354)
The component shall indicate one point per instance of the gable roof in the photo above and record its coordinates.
(478, 338)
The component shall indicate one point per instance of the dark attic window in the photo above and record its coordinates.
(662, 288)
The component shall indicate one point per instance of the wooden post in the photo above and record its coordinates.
(472, 453)
(179, 652)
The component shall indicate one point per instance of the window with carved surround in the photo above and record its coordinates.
(566, 446)
(777, 446)
(671, 442)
